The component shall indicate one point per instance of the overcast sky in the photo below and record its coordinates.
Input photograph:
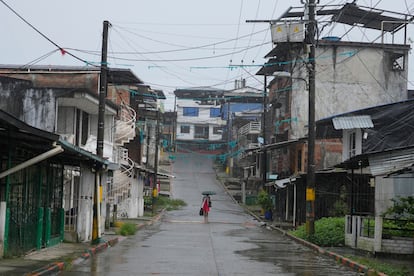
(168, 44)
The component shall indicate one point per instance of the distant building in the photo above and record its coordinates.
(198, 116)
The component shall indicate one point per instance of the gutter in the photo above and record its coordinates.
(46, 155)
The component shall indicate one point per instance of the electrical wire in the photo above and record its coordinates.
(63, 51)
(186, 48)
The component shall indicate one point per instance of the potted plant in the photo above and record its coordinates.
(264, 200)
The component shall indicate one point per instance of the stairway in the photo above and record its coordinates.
(125, 125)
(120, 189)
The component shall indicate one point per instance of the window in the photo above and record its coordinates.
(299, 161)
(217, 130)
(185, 129)
(214, 112)
(351, 144)
(201, 132)
(85, 127)
(190, 111)
(398, 61)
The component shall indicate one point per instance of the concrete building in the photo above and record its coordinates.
(198, 116)
(64, 100)
(348, 75)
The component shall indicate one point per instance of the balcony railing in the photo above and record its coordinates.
(250, 128)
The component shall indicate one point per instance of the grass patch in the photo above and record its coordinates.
(127, 229)
(381, 266)
(169, 204)
(328, 232)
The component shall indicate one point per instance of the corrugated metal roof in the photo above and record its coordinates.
(388, 162)
(351, 122)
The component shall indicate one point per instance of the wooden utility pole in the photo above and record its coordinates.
(157, 142)
(310, 179)
(103, 87)
(264, 157)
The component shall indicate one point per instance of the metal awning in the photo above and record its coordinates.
(79, 153)
(352, 122)
(407, 170)
(281, 183)
(389, 162)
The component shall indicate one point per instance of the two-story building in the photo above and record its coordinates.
(64, 100)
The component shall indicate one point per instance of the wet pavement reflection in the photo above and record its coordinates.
(232, 243)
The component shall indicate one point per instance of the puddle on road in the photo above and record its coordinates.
(291, 257)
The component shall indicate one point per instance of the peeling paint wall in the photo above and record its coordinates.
(34, 106)
(39, 109)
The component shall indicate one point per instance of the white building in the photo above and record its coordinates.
(199, 115)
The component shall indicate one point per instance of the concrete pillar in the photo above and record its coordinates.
(2, 226)
(378, 234)
(133, 206)
(356, 223)
(140, 204)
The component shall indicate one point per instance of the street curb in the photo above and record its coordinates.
(55, 267)
(337, 257)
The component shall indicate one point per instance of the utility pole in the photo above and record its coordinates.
(264, 157)
(157, 141)
(310, 179)
(103, 87)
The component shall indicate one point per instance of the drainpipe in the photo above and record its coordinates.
(46, 155)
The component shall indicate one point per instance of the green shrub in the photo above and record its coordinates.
(264, 200)
(328, 232)
(127, 229)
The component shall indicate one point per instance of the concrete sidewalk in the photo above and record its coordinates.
(51, 260)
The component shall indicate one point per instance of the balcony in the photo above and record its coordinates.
(250, 128)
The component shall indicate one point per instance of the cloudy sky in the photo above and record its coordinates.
(168, 44)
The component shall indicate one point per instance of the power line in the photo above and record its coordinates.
(62, 50)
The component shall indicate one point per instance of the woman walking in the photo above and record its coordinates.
(206, 207)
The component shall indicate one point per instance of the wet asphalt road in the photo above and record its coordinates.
(232, 243)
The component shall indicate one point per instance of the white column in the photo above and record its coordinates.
(2, 226)
(378, 234)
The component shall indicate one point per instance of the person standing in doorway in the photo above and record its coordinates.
(206, 204)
